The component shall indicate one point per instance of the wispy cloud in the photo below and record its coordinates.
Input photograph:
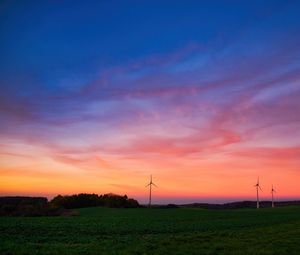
(226, 106)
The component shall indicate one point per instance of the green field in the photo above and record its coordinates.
(155, 231)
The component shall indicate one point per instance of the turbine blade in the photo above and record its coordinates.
(154, 184)
(147, 185)
(260, 188)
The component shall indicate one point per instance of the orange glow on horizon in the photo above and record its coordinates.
(208, 179)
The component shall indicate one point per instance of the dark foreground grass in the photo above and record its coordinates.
(155, 231)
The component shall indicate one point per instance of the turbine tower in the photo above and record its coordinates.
(257, 195)
(150, 189)
(272, 191)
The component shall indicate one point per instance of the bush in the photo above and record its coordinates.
(27, 206)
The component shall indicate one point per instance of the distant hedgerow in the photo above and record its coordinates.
(89, 200)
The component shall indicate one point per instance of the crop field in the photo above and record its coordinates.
(155, 231)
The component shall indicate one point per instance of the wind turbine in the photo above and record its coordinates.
(257, 196)
(272, 191)
(150, 191)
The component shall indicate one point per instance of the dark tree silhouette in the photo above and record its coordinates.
(89, 200)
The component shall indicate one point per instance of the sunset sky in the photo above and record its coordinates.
(97, 95)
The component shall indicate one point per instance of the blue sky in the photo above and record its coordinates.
(107, 90)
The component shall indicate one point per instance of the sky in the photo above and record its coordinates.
(97, 95)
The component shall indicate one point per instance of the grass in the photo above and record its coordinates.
(155, 231)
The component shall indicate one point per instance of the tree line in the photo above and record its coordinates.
(60, 205)
(89, 200)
